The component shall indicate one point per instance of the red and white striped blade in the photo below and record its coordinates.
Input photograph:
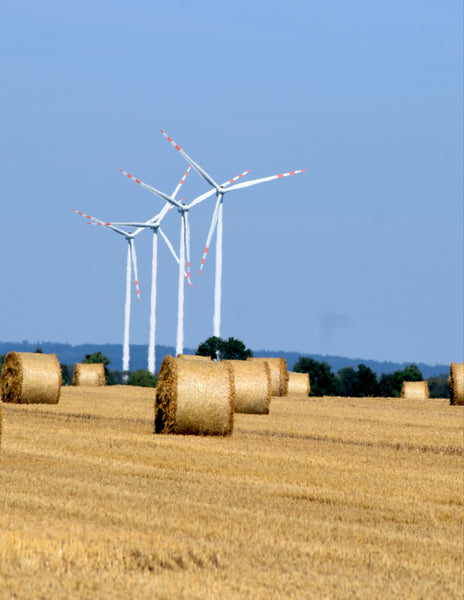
(211, 192)
(195, 165)
(246, 184)
(181, 182)
(187, 244)
(151, 189)
(212, 227)
(134, 264)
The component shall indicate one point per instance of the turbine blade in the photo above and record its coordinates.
(211, 192)
(152, 189)
(169, 245)
(245, 184)
(181, 182)
(134, 264)
(212, 227)
(187, 244)
(196, 166)
(95, 221)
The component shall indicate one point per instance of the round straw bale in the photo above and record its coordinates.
(456, 383)
(31, 378)
(415, 390)
(89, 374)
(298, 384)
(252, 381)
(194, 397)
(193, 357)
(279, 374)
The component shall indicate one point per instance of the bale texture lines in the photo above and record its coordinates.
(31, 378)
(279, 374)
(252, 381)
(415, 390)
(89, 374)
(298, 384)
(194, 397)
(456, 383)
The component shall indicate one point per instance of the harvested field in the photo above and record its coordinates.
(327, 498)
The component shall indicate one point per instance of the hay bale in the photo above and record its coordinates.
(298, 384)
(279, 374)
(456, 383)
(194, 397)
(89, 374)
(193, 357)
(252, 381)
(415, 390)
(31, 378)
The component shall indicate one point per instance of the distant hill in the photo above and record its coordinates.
(70, 355)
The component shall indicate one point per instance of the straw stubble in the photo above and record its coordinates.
(31, 378)
(194, 397)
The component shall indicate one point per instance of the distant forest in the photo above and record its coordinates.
(330, 375)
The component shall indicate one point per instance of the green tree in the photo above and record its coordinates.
(2, 360)
(347, 377)
(439, 386)
(66, 374)
(230, 349)
(366, 382)
(142, 378)
(323, 381)
(391, 383)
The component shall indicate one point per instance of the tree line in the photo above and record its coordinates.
(363, 381)
(359, 382)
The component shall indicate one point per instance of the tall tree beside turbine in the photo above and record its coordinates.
(184, 250)
(131, 261)
(154, 224)
(217, 224)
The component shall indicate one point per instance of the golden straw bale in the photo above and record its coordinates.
(415, 390)
(194, 397)
(456, 383)
(89, 374)
(193, 357)
(279, 374)
(252, 382)
(31, 378)
(298, 384)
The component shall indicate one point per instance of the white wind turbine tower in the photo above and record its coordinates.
(131, 261)
(154, 225)
(217, 224)
(184, 250)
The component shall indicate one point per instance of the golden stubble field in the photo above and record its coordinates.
(322, 498)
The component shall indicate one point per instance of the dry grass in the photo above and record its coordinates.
(322, 498)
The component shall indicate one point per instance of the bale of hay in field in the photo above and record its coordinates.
(193, 357)
(415, 390)
(279, 374)
(252, 381)
(298, 384)
(89, 374)
(456, 383)
(194, 397)
(31, 378)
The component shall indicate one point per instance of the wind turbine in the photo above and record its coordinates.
(184, 250)
(217, 223)
(131, 261)
(154, 225)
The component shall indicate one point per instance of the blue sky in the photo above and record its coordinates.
(361, 256)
